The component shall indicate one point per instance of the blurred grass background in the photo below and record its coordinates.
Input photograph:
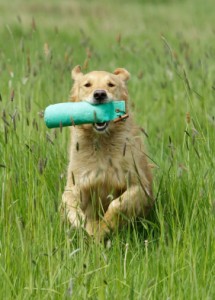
(168, 47)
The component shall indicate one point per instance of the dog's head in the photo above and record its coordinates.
(99, 87)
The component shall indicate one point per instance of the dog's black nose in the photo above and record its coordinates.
(100, 95)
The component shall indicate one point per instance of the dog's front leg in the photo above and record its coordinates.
(133, 202)
(71, 207)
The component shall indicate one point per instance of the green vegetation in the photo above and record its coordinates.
(169, 49)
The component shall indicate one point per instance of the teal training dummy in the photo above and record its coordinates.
(77, 113)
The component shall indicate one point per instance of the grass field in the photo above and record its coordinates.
(169, 49)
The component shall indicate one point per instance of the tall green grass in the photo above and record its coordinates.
(169, 50)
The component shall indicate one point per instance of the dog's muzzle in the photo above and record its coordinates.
(100, 96)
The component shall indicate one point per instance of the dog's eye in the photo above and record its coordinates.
(88, 84)
(110, 84)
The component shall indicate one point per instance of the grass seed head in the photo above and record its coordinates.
(188, 117)
(12, 95)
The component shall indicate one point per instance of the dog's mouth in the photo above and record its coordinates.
(100, 126)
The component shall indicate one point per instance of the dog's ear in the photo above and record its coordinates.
(76, 73)
(122, 73)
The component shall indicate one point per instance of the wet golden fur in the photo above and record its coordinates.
(108, 173)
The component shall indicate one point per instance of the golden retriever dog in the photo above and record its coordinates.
(109, 179)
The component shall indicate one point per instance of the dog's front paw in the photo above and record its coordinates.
(92, 227)
(103, 232)
(76, 218)
(97, 229)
